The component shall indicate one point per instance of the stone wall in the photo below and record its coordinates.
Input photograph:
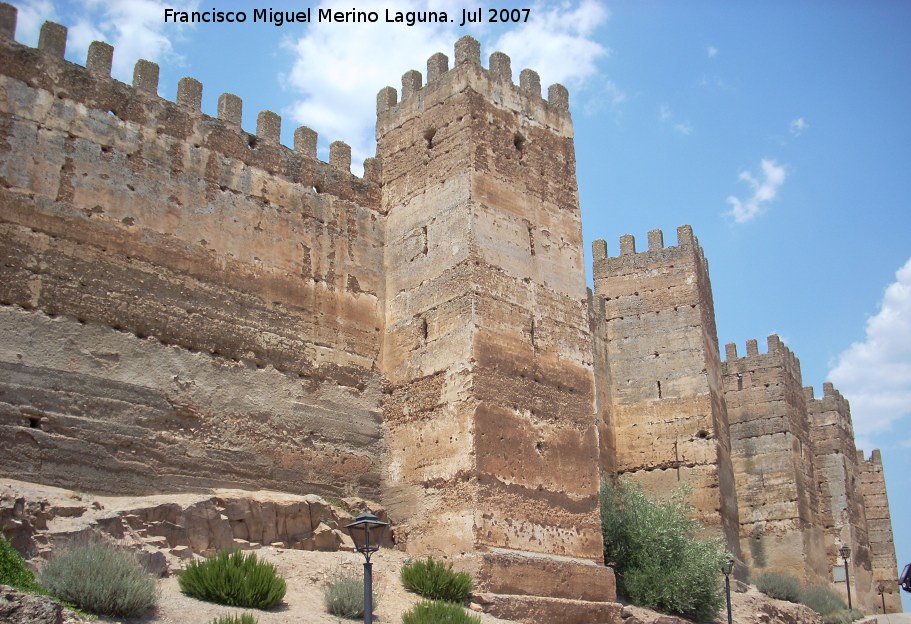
(773, 462)
(879, 528)
(668, 413)
(182, 303)
(493, 448)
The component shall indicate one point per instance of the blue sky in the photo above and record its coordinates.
(778, 129)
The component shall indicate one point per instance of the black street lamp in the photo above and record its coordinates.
(881, 590)
(367, 532)
(845, 552)
(726, 568)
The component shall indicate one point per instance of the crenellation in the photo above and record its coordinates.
(189, 94)
(100, 58)
(230, 109)
(305, 140)
(340, 156)
(52, 40)
(655, 240)
(437, 66)
(467, 51)
(411, 83)
(145, 76)
(530, 82)
(269, 126)
(416, 322)
(627, 245)
(500, 68)
(386, 99)
(8, 17)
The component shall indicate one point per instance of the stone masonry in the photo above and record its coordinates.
(773, 462)
(668, 413)
(879, 529)
(185, 305)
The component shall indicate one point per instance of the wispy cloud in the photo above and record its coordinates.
(875, 373)
(764, 190)
(336, 72)
(711, 51)
(666, 115)
(134, 27)
(797, 126)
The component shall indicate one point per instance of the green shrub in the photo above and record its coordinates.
(822, 600)
(100, 578)
(780, 586)
(436, 580)
(13, 571)
(344, 597)
(244, 618)
(657, 561)
(235, 579)
(843, 616)
(438, 612)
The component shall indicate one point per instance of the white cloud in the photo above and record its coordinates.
(798, 125)
(337, 72)
(764, 191)
(666, 115)
(135, 28)
(712, 51)
(875, 373)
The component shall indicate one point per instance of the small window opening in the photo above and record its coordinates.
(424, 329)
(740, 381)
(251, 142)
(531, 240)
(34, 422)
(658, 383)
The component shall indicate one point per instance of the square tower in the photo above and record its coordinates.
(493, 448)
(773, 462)
(668, 413)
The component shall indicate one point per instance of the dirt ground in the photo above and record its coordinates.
(306, 574)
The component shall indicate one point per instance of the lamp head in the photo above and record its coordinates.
(845, 551)
(367, 533)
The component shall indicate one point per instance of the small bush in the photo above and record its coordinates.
(235, 579)
(100, 578)
(436, 580)
(780, 586)
(822, 600)
(13, 571)
(438, 612)
(842, 616)
(344, 597)
(657, 561)
(245, 618)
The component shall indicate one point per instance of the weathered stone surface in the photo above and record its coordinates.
(773, 459)
(19, 608)
(662, 375)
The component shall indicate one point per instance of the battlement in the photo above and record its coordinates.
(92, 86)
(687, 243)
(831, 402)
(495, 83)
(777, 354)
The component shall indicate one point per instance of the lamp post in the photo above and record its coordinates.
(367, 532)
(881, 590)
(727, 567)
(845, 552)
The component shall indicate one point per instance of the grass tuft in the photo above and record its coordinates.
(235, 579)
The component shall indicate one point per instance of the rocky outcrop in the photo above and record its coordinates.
(17, 607)
(165, 530)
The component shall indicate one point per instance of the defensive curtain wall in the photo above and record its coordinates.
(184, 304)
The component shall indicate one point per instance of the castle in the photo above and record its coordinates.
(184, 305)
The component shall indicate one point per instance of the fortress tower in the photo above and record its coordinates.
(667, 406)
(772, 457)
(879, 531)
(841, 501)
(493, 449)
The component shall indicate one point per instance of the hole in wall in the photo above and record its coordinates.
(428, 136)
(702, 434)
(34, 422)
(518, 141)
(251, 142)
